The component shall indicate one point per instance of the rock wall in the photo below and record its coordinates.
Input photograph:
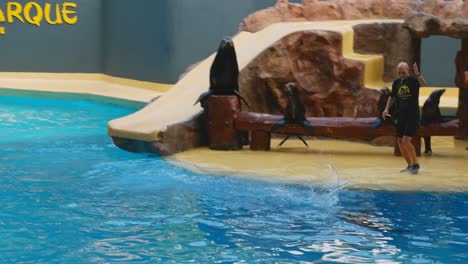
(392, 41)
(176, 138)
(424, 18)
(438, 17)
(329, 84)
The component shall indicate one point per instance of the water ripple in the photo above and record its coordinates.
(79, 199)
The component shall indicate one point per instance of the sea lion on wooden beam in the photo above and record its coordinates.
(431, 115)
(381, 104)
(294, 113)
(224, 72)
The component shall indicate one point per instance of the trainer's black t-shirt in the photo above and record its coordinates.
(406, 93)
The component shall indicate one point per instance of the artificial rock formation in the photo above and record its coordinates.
(390, 40)
(438, 17)
(176, 138)
(424, 18)
(329, 84)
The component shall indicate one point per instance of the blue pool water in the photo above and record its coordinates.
(68, 195)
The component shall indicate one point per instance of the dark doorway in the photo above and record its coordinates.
(438, 60)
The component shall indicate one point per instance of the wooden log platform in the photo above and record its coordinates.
(333, 127)
(221, 113)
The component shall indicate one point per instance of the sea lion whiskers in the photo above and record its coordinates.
(242, 98)
(203, 96)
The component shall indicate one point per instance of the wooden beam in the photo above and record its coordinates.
(339, 127)
(260, 140)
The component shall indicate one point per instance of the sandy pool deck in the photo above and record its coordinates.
(358, 165)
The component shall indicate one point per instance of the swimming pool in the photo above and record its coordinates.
(68, 195)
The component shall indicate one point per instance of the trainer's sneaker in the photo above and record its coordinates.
(414, 169)
(407, 169)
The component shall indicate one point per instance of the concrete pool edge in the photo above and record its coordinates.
(334, 164)
(67, 77)
(81, 86)
(326, 183)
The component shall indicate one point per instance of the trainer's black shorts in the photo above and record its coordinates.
(407, 125)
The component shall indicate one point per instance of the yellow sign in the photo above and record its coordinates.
(35, 14)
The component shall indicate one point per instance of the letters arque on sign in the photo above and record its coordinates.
(35, 14)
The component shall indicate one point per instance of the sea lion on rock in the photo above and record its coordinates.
(224, 72)
(382, 103)
(431, 115)
(294, 113)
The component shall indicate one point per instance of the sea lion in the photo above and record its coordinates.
(294, 113)
(431, 114)
(224, 72)
(381, 104)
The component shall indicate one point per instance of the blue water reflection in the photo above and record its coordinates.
(68, 195)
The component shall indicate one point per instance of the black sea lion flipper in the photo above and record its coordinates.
(308, 127)
(376, 124)
(282, 142)
(277, 125)
(303, 141)
(242, 98)
(427, 145)
(203, 96)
